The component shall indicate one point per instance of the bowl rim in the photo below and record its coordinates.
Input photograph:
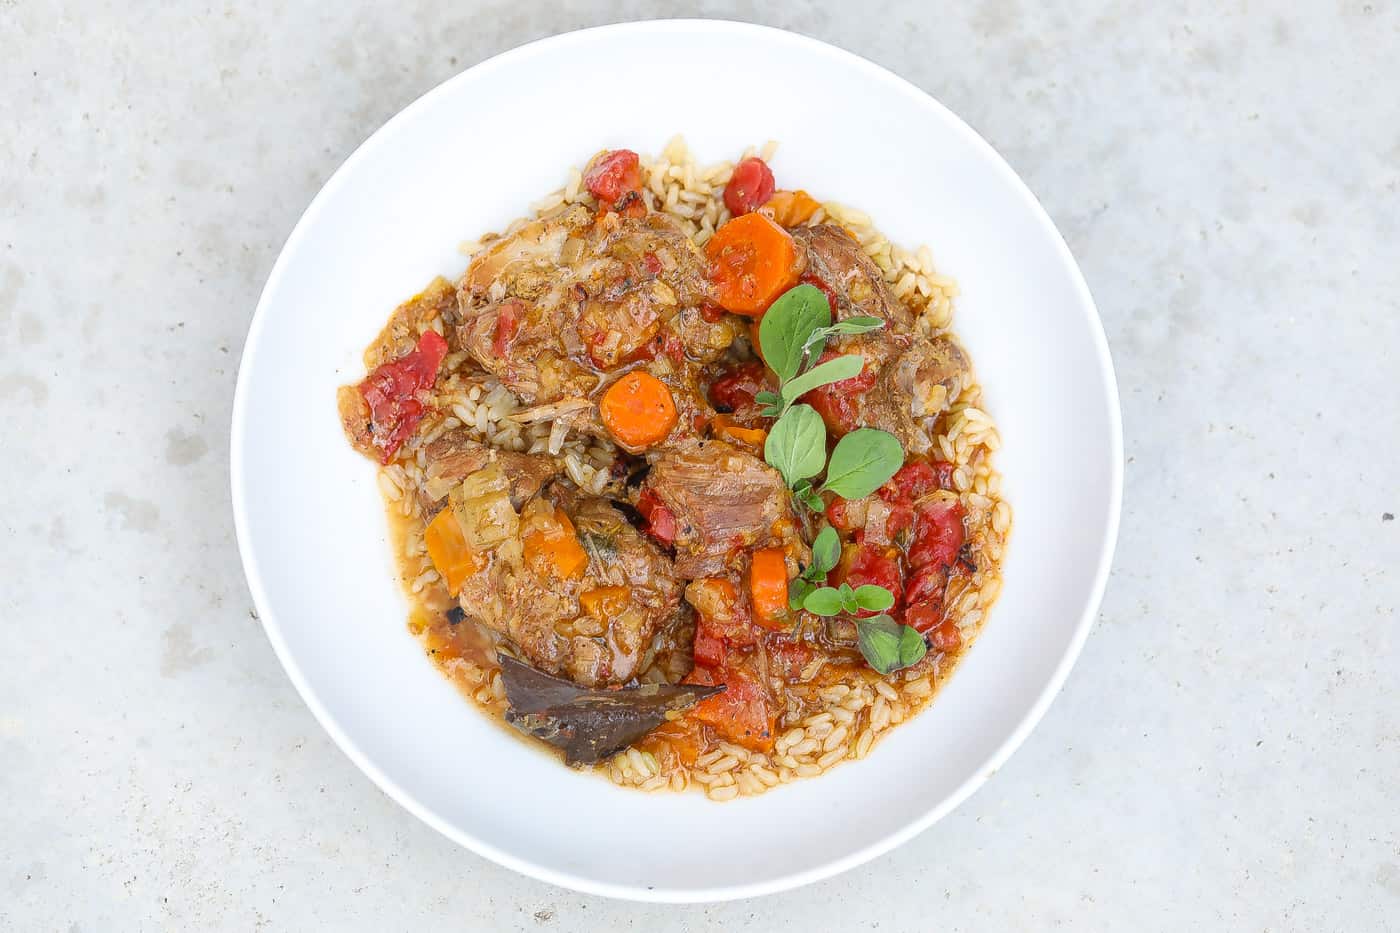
(1109, 534)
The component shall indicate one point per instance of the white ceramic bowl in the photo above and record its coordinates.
(468, 157)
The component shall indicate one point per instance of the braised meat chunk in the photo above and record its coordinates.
(455, 455)
(565, 579)
(558, 309)
(551, 307)
(908, 378)
(723, 501)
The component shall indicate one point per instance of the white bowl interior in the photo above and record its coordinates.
(470, 156)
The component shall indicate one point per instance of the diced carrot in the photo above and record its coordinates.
(448, 550)
(638, 411)
(723, 426)
(791, 208)
(605, 602)
(554, 545)
(768, 585)
(752, 261)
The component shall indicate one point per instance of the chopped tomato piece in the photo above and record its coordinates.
(838, 402)
(874, 564)
(926, 583)
(709, 648)
(810, 279)
(947, 637)
(613, 175)
(749, 187)
(899, 523)
(392, 390)
(924, 617)
(838, 513)
(651, 263)
(787, 658)
(735, 390)
(661, 521)
(768, 587)
(916, 478)
(507, 326)
(938, 533)
(742, 713)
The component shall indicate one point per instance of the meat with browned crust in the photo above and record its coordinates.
(456, 455)
(725, 501)
(543, 614)
(917, 378)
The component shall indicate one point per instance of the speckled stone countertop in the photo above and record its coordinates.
(1226, 754)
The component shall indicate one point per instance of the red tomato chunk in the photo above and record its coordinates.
(925, 616)
(946, 637)
(926, 584)
(613, 175)
(735, 390)
(938, 534)
(875, 564)
(916, 478)
(836, 402)
(661, 521)
(810, 279)
(391, 392)
(742, 713)
(749, 188)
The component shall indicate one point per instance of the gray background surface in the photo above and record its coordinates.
(1225, 754)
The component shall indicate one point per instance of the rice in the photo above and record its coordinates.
(843, 713)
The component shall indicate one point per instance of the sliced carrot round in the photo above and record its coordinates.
(638, 411)
(752, 262)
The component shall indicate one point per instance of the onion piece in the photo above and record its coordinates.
(482, 506)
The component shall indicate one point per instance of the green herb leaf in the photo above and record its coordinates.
(785, 333)
(796, 446)
(887, 645)
(851, 325)
(805, 494)
(879, 642)
(824, 601)
(797, 592)
(826, 551)
(768, 398)
(843, 367)
(862, 462)
(874, 598)
(848, 598)
(857, 324)
(912, 646)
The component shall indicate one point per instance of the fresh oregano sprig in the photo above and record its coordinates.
(826, 553)
(792, 336)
